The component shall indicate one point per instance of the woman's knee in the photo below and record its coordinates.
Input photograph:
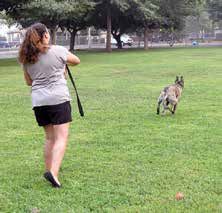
(49, 142)
(61, 131)
(49, 133)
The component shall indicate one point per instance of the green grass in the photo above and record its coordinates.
(121, 156)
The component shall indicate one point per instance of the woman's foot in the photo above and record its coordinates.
(52, 179)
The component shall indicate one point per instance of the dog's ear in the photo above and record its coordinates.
(181, 78)
(177, 79)
(181, 81)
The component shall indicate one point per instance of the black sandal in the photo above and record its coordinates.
(49, 177)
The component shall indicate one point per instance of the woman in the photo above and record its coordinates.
(44, 71)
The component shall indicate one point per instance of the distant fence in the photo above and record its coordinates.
(80, 40)
(154, 39)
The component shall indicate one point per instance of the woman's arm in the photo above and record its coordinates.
(72, 59)
(27, 78)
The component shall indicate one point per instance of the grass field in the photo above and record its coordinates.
(121, 156)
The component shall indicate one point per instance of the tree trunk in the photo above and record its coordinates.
(119, 42)
(146, 38)
(53, 35)
(72, 40)
(89, 38)
(109, 28)
(139, 41)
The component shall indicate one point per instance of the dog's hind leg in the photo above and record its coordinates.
(160, 100)
(158, 106)
(166, 107)
(174, 108)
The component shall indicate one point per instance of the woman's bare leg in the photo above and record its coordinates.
(61, 133)
(49, 143)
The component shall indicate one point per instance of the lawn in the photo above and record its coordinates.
(121, 156)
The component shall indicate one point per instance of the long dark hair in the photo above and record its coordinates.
(28, 53)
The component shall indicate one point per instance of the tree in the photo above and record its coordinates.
(166, 15)
(147, 17)
(118, 18)
(75, 18)
(10, 5)
(70, 14)
(106, 14)
(137, 14)
(173, 15)
(48, 12)
(215, 10)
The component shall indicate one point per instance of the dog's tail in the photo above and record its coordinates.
(160, 100)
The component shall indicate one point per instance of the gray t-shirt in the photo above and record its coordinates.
(49, 86)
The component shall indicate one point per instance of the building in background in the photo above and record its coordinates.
(10, 36)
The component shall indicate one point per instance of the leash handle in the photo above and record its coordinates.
(81, 112)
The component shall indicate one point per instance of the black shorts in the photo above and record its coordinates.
(53, 114)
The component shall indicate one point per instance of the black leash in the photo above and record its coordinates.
(81, 112)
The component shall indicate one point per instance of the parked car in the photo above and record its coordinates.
(4, 44)
(14, 44)
(125, 39)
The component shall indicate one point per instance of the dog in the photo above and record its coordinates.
(170, 95)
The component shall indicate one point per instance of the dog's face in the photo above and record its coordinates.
(180, 81)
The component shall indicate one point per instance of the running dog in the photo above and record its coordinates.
(170, 95)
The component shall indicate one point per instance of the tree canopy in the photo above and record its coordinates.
(76, 17)
(215, 10)
(9, 5)
(117, 17)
